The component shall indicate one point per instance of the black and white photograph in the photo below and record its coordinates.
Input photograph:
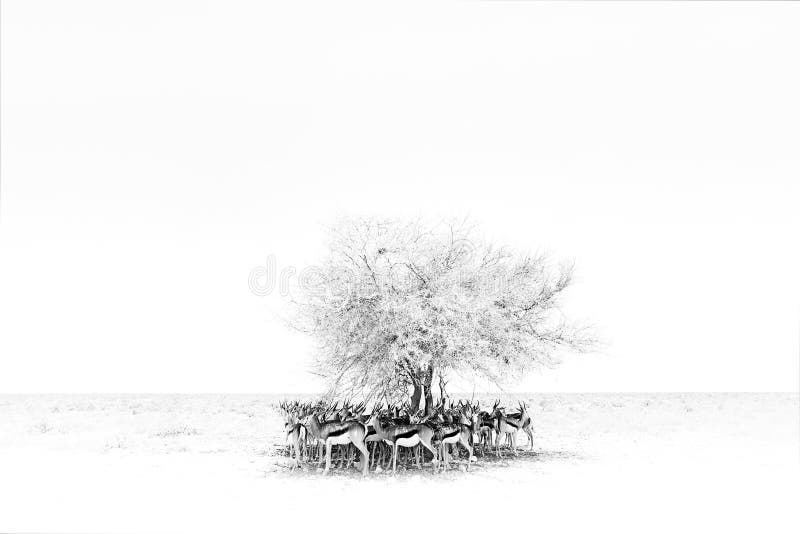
(446, 266)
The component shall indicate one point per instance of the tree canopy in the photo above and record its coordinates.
(396, 303)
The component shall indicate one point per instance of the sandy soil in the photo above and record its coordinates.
(608, 462)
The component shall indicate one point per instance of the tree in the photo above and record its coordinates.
(396, 303)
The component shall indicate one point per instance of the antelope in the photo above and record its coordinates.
(339, 433)
(524, 420)
(295, 432)
(377, 451)
(409, 435)
(483, 425)
(352, 413)
(459, 432)
(397, 417)
(504, 426)
(294, 437)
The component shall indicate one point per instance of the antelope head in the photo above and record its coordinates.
(466, 416)
(373, 416)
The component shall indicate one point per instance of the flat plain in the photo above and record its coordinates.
(189, 463)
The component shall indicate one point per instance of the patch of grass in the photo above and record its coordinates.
(178, 431)
(114, 443)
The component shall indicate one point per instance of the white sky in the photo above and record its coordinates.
(153, 153)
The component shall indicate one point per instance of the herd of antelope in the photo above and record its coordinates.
(386, 432)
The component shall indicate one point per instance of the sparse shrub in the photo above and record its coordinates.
(43, 427)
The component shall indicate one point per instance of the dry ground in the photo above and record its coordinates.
(613, 462)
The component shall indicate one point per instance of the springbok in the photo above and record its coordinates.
(294, 437)
(409, 436)
(484, 427)
(524, 421)
(459, 432)
(295, 432)
(505, 427)
(339, 433)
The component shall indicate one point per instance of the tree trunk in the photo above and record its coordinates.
(429, 390)
(422, 383)
(416, 396)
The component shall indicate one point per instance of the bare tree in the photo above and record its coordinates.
(396, 302)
